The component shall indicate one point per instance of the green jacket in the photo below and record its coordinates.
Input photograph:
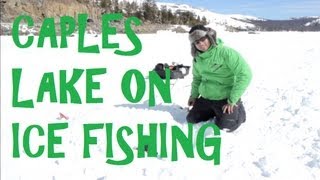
(220, 73)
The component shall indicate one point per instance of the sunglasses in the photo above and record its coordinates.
(200, 40)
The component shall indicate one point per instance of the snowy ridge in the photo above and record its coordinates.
(245, 17)
(235, 22)
(214, 19)
(314, 22)
(137, 1)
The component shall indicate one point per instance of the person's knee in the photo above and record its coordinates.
(242, 113)
(232, 121)
(191, 118)
(229, 124)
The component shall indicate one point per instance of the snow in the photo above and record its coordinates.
(245, 17)
(314, 22)
(137, 1)
(280, 139)
(216, 19)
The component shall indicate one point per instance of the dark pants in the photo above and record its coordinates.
(204, 109)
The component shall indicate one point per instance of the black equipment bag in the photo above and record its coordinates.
(176, 71)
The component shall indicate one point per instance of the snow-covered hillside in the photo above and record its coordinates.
(280, 139)
(314, 22)
(236, 22)
(214, 19)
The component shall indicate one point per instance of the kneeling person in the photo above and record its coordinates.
(220, 77)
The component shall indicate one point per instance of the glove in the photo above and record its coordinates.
(191, 101)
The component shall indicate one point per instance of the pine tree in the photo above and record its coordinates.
(135, 7)
(106, 5)
(149, 9)
(128, 9)
(164, 15)
(204, 20)
(103, 3)
(136, 10)
(122, 5)
(171, 17)
(116, 8)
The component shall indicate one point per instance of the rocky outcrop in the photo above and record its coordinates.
(40, 9)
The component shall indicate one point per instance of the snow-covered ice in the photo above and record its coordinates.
(280, 139)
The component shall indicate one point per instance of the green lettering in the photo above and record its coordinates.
(69, 86)
(15, 31)
(149, 141)
(48, 30)
(15, 132)
(163, 87)
(88, 139)
(126, 85)
(124, 146)
(16, 75)
(214, 142)
(26, 141)
(90, 84)
(109, 152)
(107, 30)
(82, 22)
(132, 37)
(47, 85)
(66, 31)
(52, 139)
(185, 142)
(163, 139)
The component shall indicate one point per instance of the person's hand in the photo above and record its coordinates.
(228, 108)
(191, 101)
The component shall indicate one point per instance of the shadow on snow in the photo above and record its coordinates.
(177, 112)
